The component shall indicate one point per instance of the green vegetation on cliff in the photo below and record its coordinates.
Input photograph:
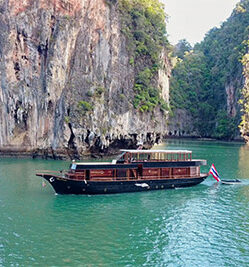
(244, 101)
(181, 49)
(143, 24)
(207, 81)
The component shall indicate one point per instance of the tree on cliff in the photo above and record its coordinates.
(181, 48)
(216, 89)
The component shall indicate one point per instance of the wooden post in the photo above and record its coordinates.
(126, 157)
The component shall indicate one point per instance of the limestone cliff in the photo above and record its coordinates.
(67, 82)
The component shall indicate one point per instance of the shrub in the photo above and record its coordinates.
(85, 106)
(100, 90)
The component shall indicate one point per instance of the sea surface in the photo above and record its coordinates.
(204, 225)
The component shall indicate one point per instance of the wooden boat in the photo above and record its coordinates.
(132, 171)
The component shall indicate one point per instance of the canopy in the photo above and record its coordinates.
(154, 151)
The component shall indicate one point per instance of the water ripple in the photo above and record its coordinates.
(206, 225)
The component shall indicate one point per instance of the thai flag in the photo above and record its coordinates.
(214, 172)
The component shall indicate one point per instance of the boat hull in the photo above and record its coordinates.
(68, 186)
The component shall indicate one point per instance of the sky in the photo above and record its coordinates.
(192, 19)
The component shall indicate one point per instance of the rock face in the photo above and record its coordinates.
(181, 125)
(66, 80)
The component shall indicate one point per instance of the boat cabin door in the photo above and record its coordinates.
(140, 170)
(87, 174)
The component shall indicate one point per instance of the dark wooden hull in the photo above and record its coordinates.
(68, 186)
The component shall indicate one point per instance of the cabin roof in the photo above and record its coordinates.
(154, 151)
(92, 163)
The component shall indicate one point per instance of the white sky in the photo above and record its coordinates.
(192, 19)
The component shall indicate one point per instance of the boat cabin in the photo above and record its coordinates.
(139, 164)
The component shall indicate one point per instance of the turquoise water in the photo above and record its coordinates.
(205, 225)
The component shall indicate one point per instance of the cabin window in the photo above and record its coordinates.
(151, 172)
(193, 171)
(165, 172)
(132, 174)
(180, 171)
(101, 173)
(121, 173)
(73, 166)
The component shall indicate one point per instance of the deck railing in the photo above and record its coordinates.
(158, 156)
(81, 176)
(78, 177)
